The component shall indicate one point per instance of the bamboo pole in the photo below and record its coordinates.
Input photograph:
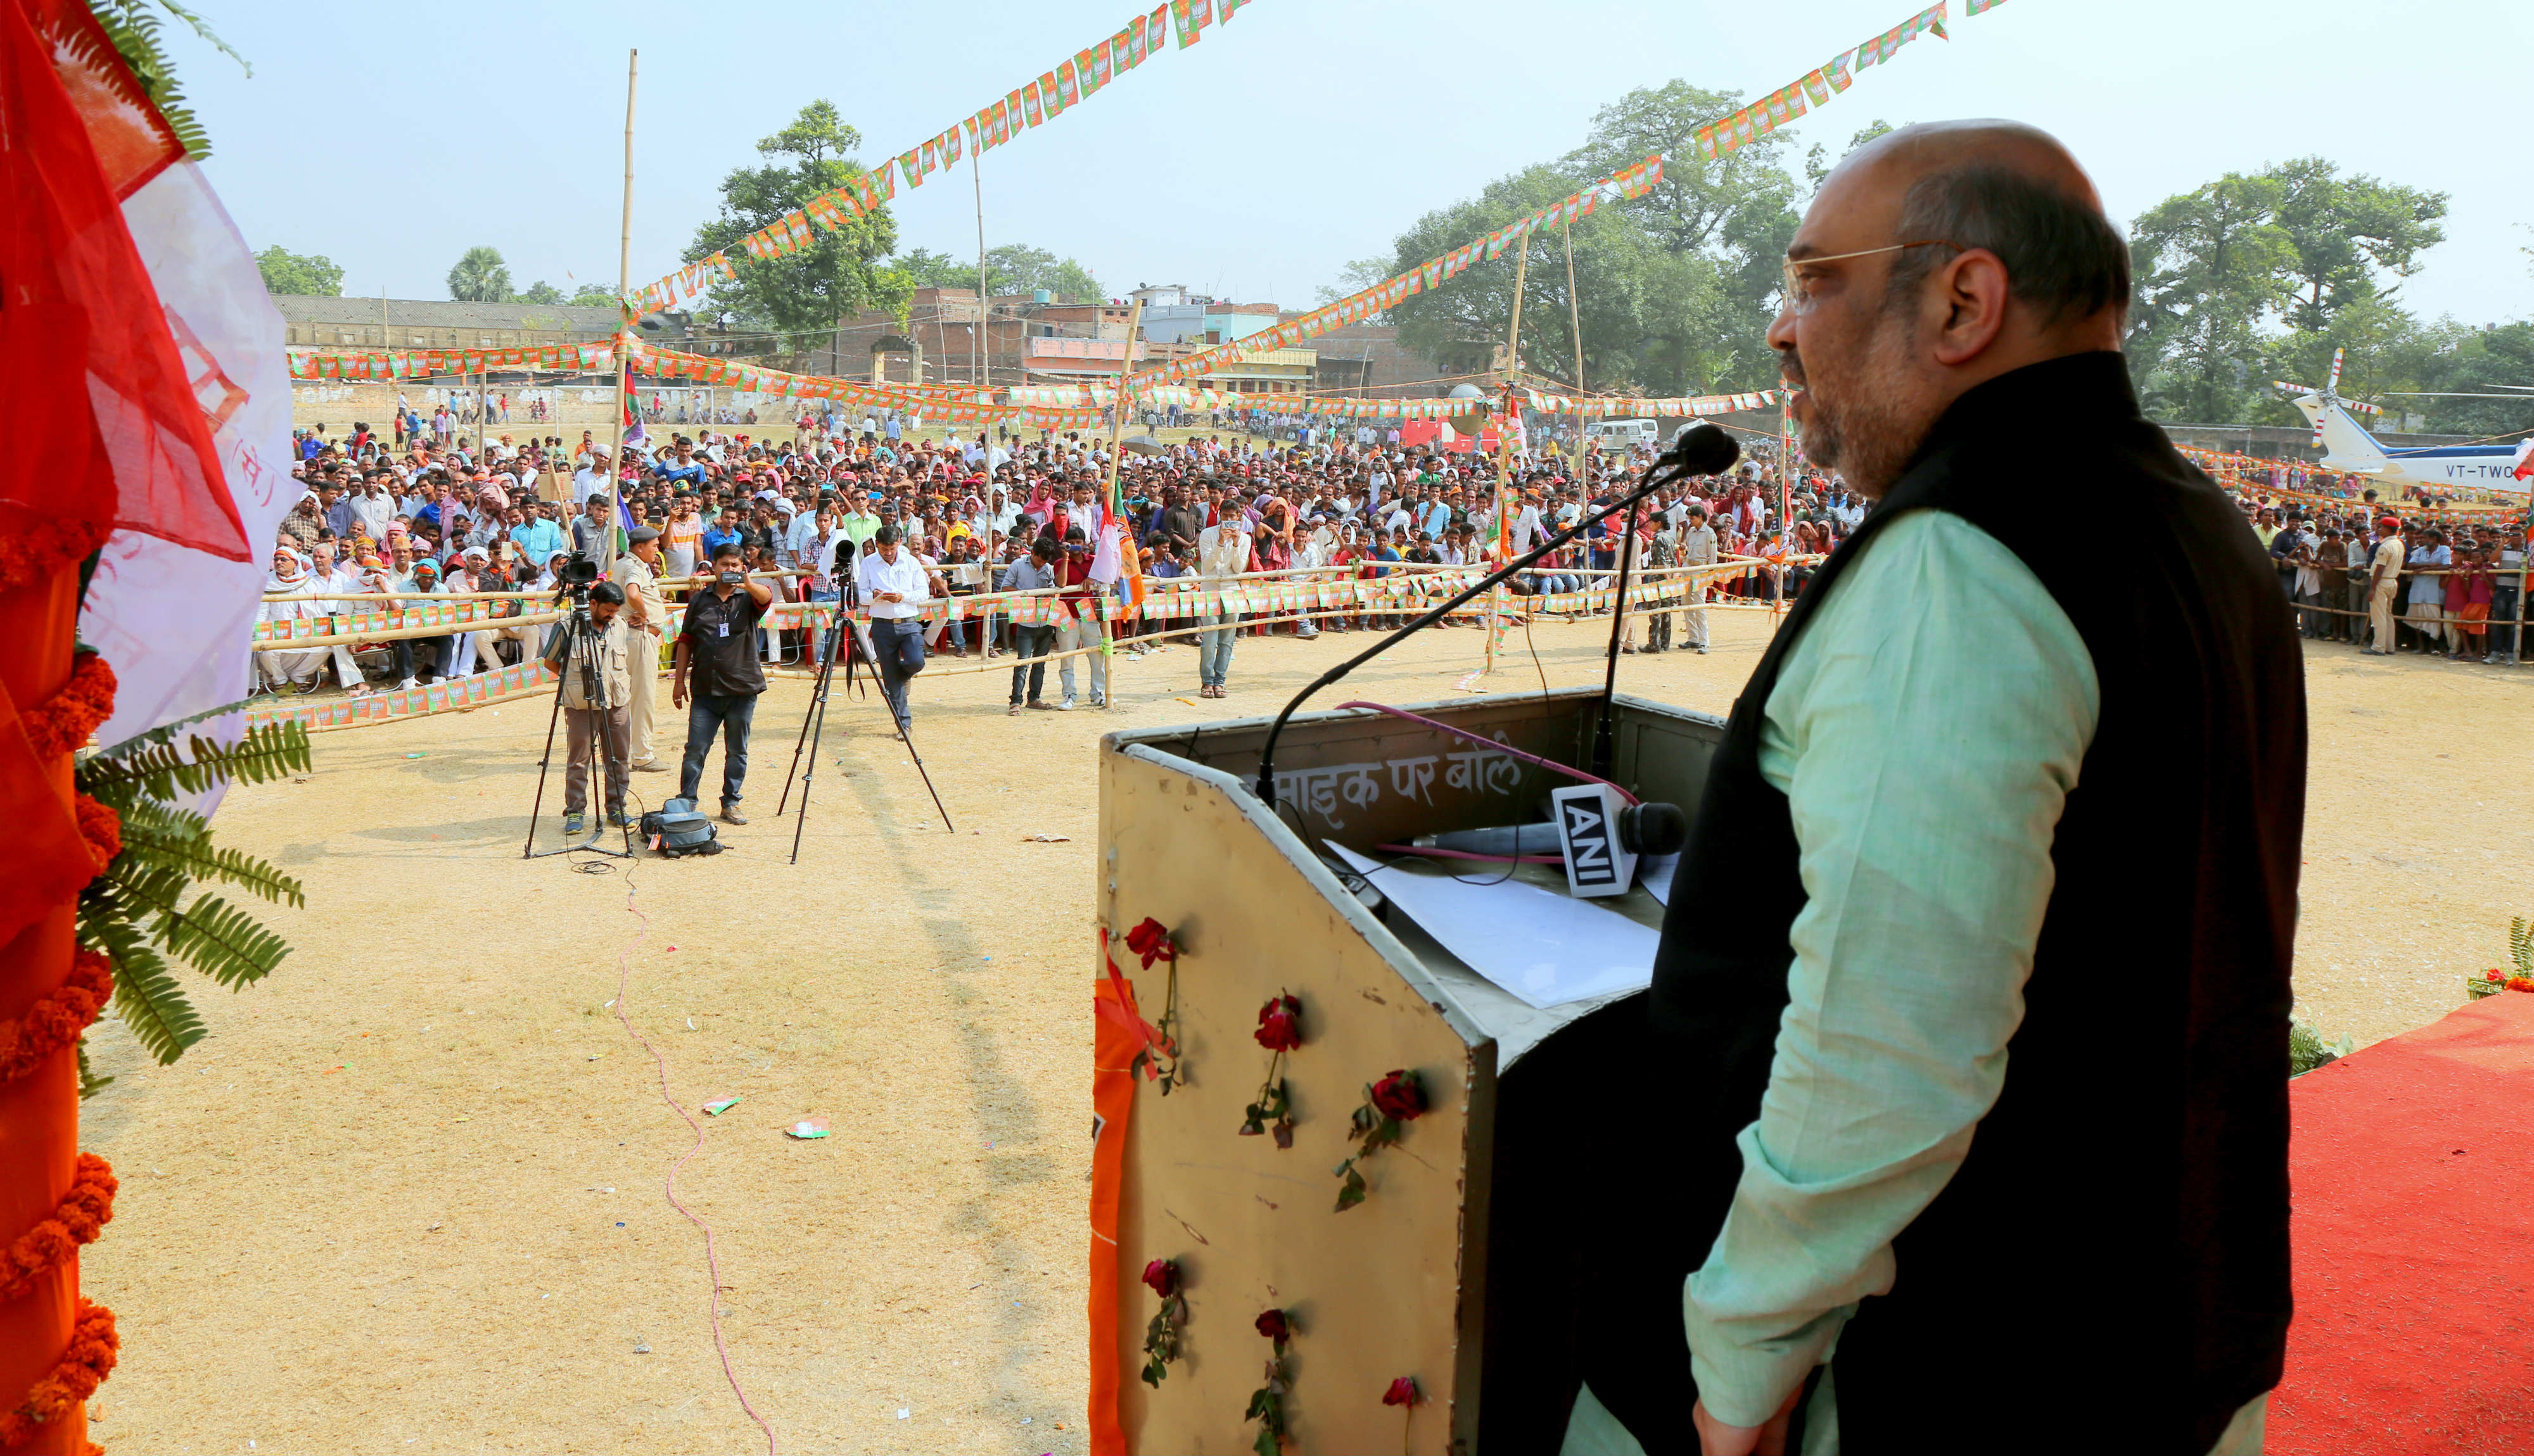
(1575, 325)
(624, 363)
(1117, 405)
(977, 173)
(1504, 444)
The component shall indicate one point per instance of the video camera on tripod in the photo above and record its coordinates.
(575, 639)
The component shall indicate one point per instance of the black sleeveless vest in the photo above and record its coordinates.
(2108, 1270)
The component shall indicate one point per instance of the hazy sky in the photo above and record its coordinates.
(1303, 133)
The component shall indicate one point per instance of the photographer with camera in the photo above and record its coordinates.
(590, 650)
(718, 645)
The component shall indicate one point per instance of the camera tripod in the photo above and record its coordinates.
(813, 724)
(574, 649)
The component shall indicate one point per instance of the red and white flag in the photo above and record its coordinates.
(187, 382)
(2525, 458)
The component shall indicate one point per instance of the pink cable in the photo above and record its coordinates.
(712, 1262)
(1504, 748)
(1433, 853)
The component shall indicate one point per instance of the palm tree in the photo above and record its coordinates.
(480, 277)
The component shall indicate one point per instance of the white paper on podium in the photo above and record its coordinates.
(1547, 948)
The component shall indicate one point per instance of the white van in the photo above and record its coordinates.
(1615, 435)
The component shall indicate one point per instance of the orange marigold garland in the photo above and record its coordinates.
(85, 1211)
(33, 549)
(58, 1017)
(102, 828)
(63, 722)
(84, 1366)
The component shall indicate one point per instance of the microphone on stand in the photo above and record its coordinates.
(1700, 449)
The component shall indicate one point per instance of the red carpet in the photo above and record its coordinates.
(2414, 1185)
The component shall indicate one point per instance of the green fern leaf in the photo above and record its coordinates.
(149, 821)
(90, 1083)
(163, 771)
(221, 941)
(150, 1002)
(2520, 944)
(176, 839)
(202, 28)
(166, 732)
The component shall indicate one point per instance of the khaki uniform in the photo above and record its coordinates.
(2379, 602)
(646, 616)
(597, 728)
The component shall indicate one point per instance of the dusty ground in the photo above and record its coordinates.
(408, 1194)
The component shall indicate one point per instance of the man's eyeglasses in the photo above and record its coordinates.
(1798, 285)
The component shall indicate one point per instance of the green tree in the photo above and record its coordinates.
(539, 292)
(2207, 269)
(1818, 161)
(2345, 231)
(802, 294)
(1356, 277)
(924, 269)
(2476, 362)
(1014, 267)
(480, 277)
(593, 296)
(1737, 211)
(308, 275)
(1462, 324)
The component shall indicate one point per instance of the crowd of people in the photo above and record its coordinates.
(2359, 575)
(425, 520)
(805, 518)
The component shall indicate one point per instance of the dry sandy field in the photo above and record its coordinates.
(408, 1195)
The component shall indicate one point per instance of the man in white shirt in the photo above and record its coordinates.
(895, 586)
(590, 479)
(1223, 551)
(1697, 548)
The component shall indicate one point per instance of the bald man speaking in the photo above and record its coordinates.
(1997, 1033)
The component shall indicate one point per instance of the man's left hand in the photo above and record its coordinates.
(1716, 1438)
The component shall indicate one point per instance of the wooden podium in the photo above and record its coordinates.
(1397, 1285)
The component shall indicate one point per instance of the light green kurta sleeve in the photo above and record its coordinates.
(1926, 731)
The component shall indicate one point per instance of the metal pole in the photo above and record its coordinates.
(623, 360)
(1504, 445)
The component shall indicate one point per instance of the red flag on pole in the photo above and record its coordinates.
(87, 356)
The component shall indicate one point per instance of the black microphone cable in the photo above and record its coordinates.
(1701, 449)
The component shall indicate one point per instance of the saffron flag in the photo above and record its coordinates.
(1192, 16)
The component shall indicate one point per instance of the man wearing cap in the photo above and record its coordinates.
(646, 616)
(2385, 573)
(594, 704)
(593, 479)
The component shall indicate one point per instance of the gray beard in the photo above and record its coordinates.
(1868, 440)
